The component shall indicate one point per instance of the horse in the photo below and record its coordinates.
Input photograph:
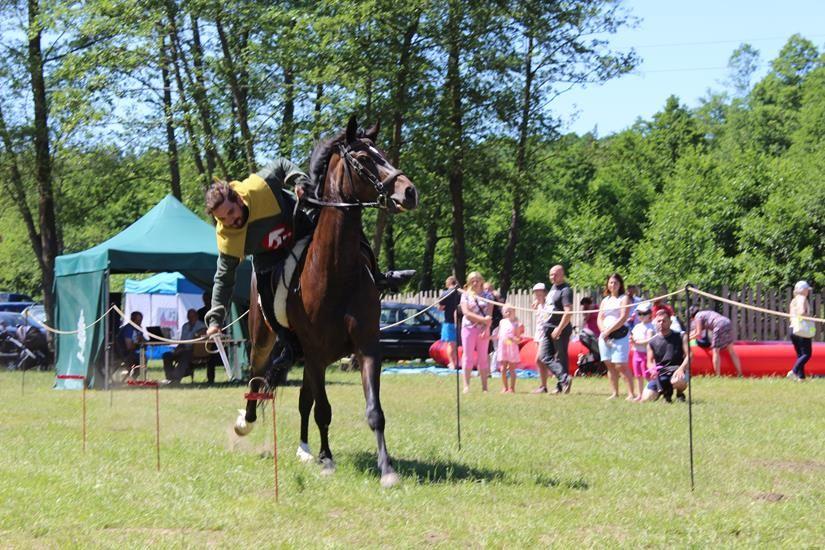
(335, 306)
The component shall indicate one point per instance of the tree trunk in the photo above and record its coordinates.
(430, 242)
(521, 172)
(399, 108)
(288, 122)
(455, 136)
(390, 238)
(15, 187)
(234, 75)
(171, 142)
(43, 165)
(316, 120)
(213, 159)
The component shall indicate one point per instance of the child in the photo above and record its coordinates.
(642, 333)
(509, 335)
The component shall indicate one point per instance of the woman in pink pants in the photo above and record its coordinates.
(475, 330)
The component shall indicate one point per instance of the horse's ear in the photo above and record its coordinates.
(352, 129)
(372, 133)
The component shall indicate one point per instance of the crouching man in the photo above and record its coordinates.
(667, 359)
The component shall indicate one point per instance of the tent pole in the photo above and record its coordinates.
(106, 381)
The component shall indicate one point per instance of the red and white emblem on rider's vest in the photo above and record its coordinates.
(277, 238)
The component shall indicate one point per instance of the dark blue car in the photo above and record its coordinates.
(412, 338)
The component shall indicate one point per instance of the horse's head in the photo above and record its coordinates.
(371, 175)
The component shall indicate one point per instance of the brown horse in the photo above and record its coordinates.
(334, 309)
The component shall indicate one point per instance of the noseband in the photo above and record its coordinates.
(383, 188)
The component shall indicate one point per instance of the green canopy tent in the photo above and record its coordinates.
(169, 237)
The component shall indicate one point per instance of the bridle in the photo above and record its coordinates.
(382, 187)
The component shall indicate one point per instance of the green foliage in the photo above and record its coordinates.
(728, 193)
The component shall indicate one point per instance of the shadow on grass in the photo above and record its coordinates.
(430, 471)
(447, 471)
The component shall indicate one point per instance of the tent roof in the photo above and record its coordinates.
(162, 283)
(169, 237)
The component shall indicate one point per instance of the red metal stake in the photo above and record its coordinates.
(261, 396)
(157, 422)
(275, 444)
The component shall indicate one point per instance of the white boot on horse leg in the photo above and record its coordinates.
(242, 427)
(327, 466)
(390, 480)
(304, 454)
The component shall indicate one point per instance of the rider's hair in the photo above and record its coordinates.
(218, 192)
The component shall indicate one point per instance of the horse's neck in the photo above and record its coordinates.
(338, 235)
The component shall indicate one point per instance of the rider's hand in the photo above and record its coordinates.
(213, 330)
(299, 192)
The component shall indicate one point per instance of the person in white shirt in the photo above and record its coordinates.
(192, 329)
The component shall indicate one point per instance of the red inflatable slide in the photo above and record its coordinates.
(758, 358)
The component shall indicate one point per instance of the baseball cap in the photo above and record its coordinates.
(801, 286)
(644, 307)
(539, 286)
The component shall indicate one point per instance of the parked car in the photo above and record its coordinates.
(14, 297)
(411, 339)
(15, 306)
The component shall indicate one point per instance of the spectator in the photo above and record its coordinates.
(540, 332)
(640, 335)
(491, 293)
(560, 329)
(507, 354)
(675, 323)
(633, 294)
(207, 303)
(591, 320)
(614, 345)
(667, 358)
(192, 328)
(721, 336)
(802, 331)
(128, 342)
(475, 330)
(450, 300)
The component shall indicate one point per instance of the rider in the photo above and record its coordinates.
(255, 216)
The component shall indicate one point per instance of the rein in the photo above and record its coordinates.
(381, 187)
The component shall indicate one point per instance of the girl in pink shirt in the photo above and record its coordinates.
(507, 354)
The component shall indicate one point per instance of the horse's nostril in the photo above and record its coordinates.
(410, 194)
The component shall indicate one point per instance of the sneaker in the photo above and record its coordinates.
(556, 390)
(393, 280)
(567, 385)
(680, 396)
(540, 389)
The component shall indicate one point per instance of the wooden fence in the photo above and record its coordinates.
(747, 324)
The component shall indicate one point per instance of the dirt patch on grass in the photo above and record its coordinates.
(769, 497)
(793, 465)
(435, 537)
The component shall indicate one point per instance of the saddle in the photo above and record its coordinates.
(283, 281)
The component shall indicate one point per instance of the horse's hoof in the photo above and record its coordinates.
(242, 427)
(327, 467)
(390, 480)
(304, 454)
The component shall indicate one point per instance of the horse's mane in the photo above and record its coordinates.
(319, 158)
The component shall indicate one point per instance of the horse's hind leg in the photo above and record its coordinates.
(371, 380)
(305, 407)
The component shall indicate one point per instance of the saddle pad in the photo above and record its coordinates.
(282, 290)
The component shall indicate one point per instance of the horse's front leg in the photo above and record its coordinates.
(371, 380)
(263, 340)
(305, 407)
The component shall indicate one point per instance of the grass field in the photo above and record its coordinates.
(534, 470)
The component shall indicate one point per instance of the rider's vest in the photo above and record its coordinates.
(268, 228)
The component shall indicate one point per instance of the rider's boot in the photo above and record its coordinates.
(393, 280)
(290, 350)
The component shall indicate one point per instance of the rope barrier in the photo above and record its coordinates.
(573, 312)
(401, 322)
(171, 341)
(754, 308)
(84, 327)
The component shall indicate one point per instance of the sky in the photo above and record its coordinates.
(685, 47)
